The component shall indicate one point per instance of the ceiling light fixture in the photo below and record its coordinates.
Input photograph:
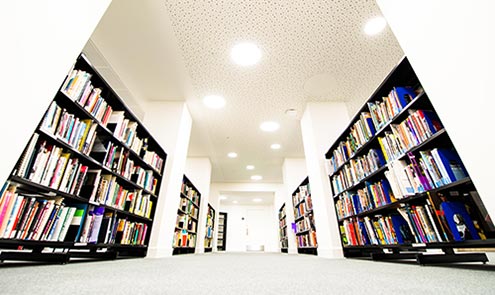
(232, 155)
(214, 101)
(375, 26)
(235, 202)
(256, 177)
(257, 200)
(249, 167)
(269, 126)
(275, 146)
(223, 198)
(245, 54)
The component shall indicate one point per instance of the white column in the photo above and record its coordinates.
(40, 42)
(198, 170)
(170, 124)
(294, 172)
(451, 48)
(321, 124)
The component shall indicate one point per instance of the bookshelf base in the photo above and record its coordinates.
(184, 250)
(284, 250)
(449, 256)
(208, 250)
(307, 250)
(61, 258)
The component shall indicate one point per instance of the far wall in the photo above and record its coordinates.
(259, 227)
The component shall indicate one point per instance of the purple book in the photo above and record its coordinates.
(422, 177)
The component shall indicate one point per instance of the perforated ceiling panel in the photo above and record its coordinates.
(311, 51)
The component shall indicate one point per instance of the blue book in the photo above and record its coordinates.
(386, 189)
(404, 95)
(402, 230)
(451, 164)
(363, 232)
(459, 221)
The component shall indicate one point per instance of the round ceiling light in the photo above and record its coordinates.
(375, 26)
(249, 167)
(245, 54)
(269, 126)
(256, 177)
(235, 202)
(223, 197)
(214, 101)
(232, 155)
(257, 200)
(275, 146)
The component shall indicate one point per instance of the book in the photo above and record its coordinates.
(459, 221)
(74, 229)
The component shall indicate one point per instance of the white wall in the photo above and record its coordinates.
(170, 124)
(216, 190)
(40, 42)
(294, 172)
(198, 170)
(237, 237)
(321, 124)
(451, 46)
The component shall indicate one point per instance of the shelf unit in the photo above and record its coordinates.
(398, 184)
(186, 228)
(222, 231)
(87, 183)
(210, 227)
(305, 229)
(282, 225)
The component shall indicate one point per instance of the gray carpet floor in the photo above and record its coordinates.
(247, 273)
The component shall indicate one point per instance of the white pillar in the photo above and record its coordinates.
(451, 48)
(198, 170)
(294, 172)
(40, 42)
(170, 124)
(321, 124)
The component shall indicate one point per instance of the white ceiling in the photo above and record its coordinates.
(312, 51)
(246, 198)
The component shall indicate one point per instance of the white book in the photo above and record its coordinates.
(50, 166)
(40, 165)
(66, 223)
(27, 155)
(398, 168)
(53, 236)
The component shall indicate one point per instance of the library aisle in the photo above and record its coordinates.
(247, 273)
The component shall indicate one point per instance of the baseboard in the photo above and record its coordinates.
(335, 253)
(159, 252)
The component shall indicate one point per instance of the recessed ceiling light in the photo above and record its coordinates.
(245, 54)
(235, 202)
(232, 155)
(257, 200)
(275, 146)
(214, 101)
(249, 167)
(269, 126)
(223, 198)
(375, 26)
(291, 112)
(256, 177)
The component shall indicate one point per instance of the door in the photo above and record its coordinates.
(255, 230)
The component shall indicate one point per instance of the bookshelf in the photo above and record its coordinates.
(87, 183)
(210, 226)
(186, 227)
(399, 186)
(304, 219)
(222, 231)
(282, 225)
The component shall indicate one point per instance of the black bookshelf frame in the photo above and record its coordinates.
(303, 249)
(403, 74)
(62, 252)
(222, 234)
(282, 225)
(210, 209)
(188, 249)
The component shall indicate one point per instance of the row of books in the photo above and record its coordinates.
(186, 222)
(145, 179)
(373, 195)
(306, 224)
(302, 194)
(303, 207)
(51, 166)
(153, 159)
(183, 239)
(37, 218)
(434, 168)
(282, 222)
(78, 87)
(284, 243)
(356, 170)
(421, 125)
(76, 132)
(281, 213)
(117, 159)
(187, 206)
(190, 192)
(384, 111)
(308, 240)
(414, 224)
(209, 226)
